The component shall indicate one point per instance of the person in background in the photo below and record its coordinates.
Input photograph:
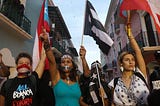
(63, 77)
(4, 72)
(155, 75)
(130, 88)
(21, 90)
(153, 98)
(45, 98)
(95, 91)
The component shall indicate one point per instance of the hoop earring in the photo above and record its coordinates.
(121, 68)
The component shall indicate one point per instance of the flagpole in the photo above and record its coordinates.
(100, 85)
(83, 24)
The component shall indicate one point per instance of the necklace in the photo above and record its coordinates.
(68, 79)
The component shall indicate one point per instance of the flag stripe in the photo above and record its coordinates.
(102, 36)
(35, 52)
(95, 29)
(43, 21)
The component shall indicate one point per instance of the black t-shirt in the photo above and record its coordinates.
(20, 91)
(155, 79)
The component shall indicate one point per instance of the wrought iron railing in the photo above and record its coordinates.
(147, 41)
(16, 16)
(58, 46)
(143, 40)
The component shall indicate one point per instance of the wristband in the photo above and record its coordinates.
(130, 37)
(46, 46)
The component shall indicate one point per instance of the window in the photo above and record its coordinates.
(150, 32)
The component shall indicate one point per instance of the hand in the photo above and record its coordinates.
(102, 92)
(44, 37)
(82, 52)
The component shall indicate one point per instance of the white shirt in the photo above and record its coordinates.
(136, 93)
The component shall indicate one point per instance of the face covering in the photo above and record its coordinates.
(23, 69)
(65, 68)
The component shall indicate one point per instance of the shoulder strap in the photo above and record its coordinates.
(115, 81)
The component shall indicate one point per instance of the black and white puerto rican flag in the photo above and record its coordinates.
(94, 28)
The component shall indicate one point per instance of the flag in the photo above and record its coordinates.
(94, 28)
(150, 6)
(43, 21)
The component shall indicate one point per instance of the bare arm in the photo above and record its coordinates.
(138, 53)
(2, 100)
(41, 64)
(55, 76)
(86, 69)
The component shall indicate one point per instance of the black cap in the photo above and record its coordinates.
(157, 54)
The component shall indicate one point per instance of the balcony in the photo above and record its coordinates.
(14, 14)
(57, 45)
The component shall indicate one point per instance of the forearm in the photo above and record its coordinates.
(138, 54)
(40, 68)
(49, 53)
(2, 99)
(52, 62)
(85, 67)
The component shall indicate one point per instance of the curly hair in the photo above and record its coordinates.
(23, 55)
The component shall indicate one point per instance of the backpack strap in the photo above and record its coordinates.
(115, 82)
(141, 77)
(137, 74)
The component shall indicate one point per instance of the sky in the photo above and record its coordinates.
(73, 14)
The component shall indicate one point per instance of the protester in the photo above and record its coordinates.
(21, 90)
(4, 72)
(153, 98)
(95, 91)
(63, 77)
(155, 75)
(130, 88)
(45, 98)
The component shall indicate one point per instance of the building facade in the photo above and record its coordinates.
(18, 23)
(144, 31)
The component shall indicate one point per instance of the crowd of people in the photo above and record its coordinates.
(68, 88)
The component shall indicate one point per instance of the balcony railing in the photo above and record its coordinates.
(58, 46)
(148, 41)
(18, 18)
(143, 41)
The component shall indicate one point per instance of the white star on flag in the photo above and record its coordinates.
(94, 76)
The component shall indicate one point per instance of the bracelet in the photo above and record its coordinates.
(131, 37)
(47, 46)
